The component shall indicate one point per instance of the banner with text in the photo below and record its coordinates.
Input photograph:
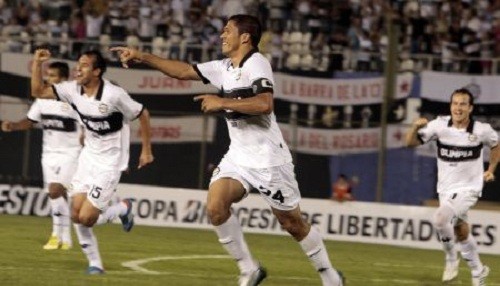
(341, 141)
(337, 91)
(399, 225)
(176, 129)
(438, 86)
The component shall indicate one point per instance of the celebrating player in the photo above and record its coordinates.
(105, 110)
(460, 142)
(60, 149)
(258, 156)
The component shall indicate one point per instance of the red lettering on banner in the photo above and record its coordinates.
(162, 132)
(163, 82)
(355, 141)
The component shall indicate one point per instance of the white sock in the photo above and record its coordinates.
(112, 213)
(61, 219)
(450, 251)
(88, 242)
(470, 254)
(231, 237)
(315, 249)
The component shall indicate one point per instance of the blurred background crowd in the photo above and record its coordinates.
(301, 35)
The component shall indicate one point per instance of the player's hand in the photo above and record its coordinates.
(421, 122)
(6, 126)
(210, 102)
(488, 176)
(41, 55)
(145, 159)
(127, 54)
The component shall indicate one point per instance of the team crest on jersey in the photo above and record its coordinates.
(103, 108)
(472, 137)
(65, 107)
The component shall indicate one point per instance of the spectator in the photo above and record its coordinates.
(342, 189)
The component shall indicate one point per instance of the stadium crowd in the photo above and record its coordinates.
(324, 35)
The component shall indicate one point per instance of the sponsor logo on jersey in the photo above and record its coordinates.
(58, 123)
(452, 153)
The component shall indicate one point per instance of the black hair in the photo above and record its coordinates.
(463, 91)
(99, 61)
(61, 67)
(248, 24)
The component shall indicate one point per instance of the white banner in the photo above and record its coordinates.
(351, 221)
(364, 222)
(176, 129)
(337, 91)
(438, 86)
(342, 141)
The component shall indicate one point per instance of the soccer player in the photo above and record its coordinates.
(460, 141)
(258, 156)
(60, 149)
(105, 110)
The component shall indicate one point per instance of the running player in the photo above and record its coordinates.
(258, 156)
(60, 149)
(105, 110)
(460, 141)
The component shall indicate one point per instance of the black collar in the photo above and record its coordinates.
(99, 90)
(247, 56)
(470, 126)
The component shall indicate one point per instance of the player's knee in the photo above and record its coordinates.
(296, 228)
(462, 231)
(56, 191)
(217, 214)
(86, 220)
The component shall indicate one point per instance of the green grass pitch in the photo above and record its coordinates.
(171, 256)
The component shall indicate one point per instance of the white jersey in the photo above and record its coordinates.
(61, 128)
(256, 140)
(105, 117)
(459, 152)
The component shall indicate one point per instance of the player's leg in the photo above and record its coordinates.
(121, 210)
(222, 193)
(444, 220)
(311, 243)
(468, 245)
(85, 235)
(279, 188)
(60, 216)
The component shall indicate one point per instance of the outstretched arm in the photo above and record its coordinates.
(489, 175)
(146, 156)
(172, 68)
(411, 139)
(24, 124)
(38, 88)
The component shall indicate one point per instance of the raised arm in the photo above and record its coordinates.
(146, 156)
(172, 68)
(38, 88)
(489, 175)
(411, 139)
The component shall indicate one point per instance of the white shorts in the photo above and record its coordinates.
(59, 168)
(98, 183)
(277, 185)
(460, 201)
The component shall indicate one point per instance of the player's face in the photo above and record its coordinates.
(85, 70)
(460, 107)
(230, 39)
(53, 76)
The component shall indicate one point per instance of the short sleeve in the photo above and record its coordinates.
(130, 108)
(429, 132)
(490, 136)
(210, 72)
(35, 112)
(64, 90)
(260, 74)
